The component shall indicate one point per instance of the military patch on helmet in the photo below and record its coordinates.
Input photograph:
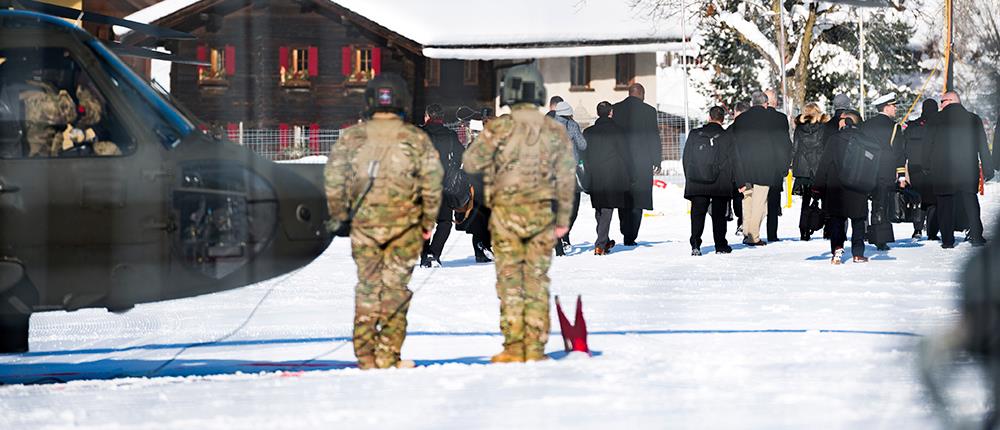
(385, 96)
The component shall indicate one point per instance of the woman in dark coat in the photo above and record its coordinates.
(607, 172)
(807, 148)
(839, 203)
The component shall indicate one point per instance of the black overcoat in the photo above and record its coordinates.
(762, 147)
(958, 145)
(604, 160)
(837, 200)
(723, 185)
(807, 145)
(642, 137)
(918, 159)
(880, 128)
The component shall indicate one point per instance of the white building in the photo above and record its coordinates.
(587, 51)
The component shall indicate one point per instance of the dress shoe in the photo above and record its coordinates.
(838, 257)
(724, 249)
(859, 259)
(695, 252)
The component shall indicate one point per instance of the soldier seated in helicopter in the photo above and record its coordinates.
(58, 111)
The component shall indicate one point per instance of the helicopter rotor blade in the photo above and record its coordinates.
(70, 13)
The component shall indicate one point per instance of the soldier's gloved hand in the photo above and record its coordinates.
(339, 228)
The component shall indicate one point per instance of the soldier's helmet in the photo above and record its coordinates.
(522, 84)
(387, 92)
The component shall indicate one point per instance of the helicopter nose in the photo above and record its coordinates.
(303, 203)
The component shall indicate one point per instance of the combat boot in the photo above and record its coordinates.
(535, 353)
(366, 362)
(513, 353)
(405, 364)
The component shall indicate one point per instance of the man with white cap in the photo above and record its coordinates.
(883, 129)
(564, 115)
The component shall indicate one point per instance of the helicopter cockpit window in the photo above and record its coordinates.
(50, 107)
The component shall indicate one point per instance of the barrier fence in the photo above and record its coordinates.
(298, 142)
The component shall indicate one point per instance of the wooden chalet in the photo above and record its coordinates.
(282, 64)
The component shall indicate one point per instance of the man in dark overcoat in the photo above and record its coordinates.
(839, 203)
(716, 194)
(642, 138)
(884, 130)
(917, 156)
(607, 173)
(761, 143)
(958, 146)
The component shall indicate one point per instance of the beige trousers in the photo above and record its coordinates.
(754, 210)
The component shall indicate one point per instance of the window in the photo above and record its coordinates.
(221, 64)
(298, 66)
(471, 73)
(432, 73)
(624, 71)
(64, 112)
(579, 72)
(361, 63)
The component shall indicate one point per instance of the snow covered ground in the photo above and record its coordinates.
(768, 338)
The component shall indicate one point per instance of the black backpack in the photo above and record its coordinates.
(860, 169)
(455, 190)
(703, 160)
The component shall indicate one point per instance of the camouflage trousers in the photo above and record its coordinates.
(522, 244)
(382, 298)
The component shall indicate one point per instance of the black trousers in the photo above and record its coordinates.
(435, 245)
(880, 205)
(773, 212)
(629, 221)
(929, 219)
(946, 215)
(838, 234)
(699, 208)
(807, 199)
(737, 201)
(479, 228)
(572, 215)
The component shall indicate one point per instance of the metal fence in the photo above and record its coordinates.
(299, 142)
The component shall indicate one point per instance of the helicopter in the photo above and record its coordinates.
(121, 199)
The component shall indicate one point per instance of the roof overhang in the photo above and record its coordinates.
(507, 52)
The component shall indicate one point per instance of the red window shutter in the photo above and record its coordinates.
(230, 60)
(283, 57)
(283, 136)
(232, 131)
(313, 61)
(377, 61)
(345, 61)
(314, 138)
(202, 56)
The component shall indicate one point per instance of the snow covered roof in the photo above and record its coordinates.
(521, 28)
(154, 12)
(511, 29)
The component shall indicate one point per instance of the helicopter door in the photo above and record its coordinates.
(81, 202)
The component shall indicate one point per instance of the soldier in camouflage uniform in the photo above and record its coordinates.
(529, 171)
(400, 166)
(55, 122)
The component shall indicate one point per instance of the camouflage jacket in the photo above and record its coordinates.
(525, 158)
(407, 188)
